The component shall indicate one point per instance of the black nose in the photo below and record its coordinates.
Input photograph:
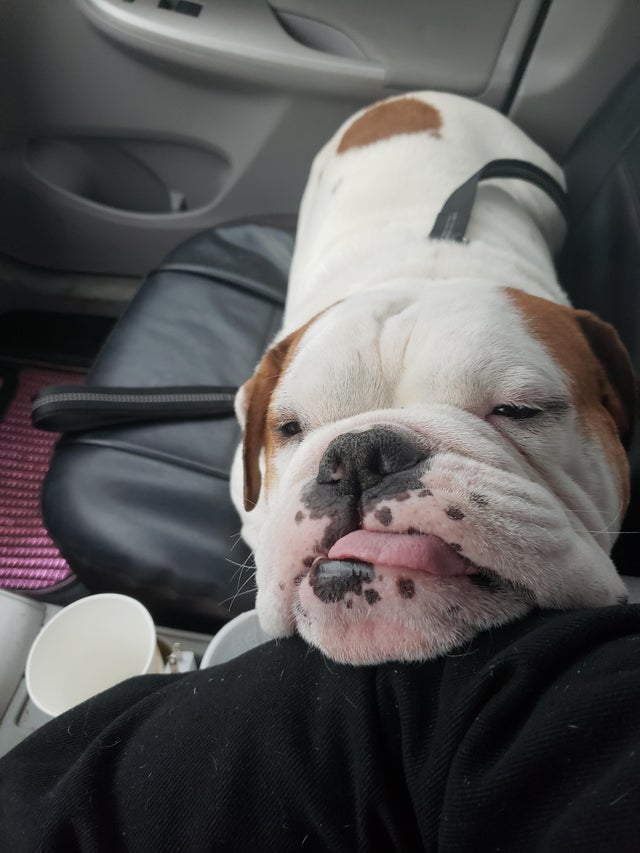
(357, 461)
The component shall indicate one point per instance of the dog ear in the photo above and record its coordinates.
(620, 392)
(252, 403)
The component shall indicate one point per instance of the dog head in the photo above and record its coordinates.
(425, 463)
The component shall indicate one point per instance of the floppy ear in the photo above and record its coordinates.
(252, 403)
(620, 391)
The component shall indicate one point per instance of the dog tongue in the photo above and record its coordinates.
(422, 552)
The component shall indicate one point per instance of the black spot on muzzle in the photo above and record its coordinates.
(331, 580)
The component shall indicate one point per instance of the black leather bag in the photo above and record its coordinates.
(144, 508)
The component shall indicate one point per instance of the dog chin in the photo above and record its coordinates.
(384, 613)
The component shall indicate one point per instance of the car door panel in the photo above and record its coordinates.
(128, 125)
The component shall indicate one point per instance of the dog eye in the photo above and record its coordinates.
(290, 428)
(516, 412)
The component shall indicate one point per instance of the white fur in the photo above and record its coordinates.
(366, 213)
(422, 335)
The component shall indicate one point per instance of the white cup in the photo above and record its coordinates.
(235, 638)
(90, 645)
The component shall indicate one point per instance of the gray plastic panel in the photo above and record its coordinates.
(583, 51)
(241, 39)
(448, 44)
(337, 47)
(222, 112)
(20, 621)
(173, 117)
(129, 175)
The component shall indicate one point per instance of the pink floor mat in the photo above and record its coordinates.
(28, 558)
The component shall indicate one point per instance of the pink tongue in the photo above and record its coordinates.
(422, 552)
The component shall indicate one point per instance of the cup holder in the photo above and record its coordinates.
(129, 175)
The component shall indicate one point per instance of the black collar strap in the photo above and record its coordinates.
(452, 221)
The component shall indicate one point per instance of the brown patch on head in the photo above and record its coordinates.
(258, 392)
(595, 360)
(390, 118)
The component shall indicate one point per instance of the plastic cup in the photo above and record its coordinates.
(90, 645)
(235, 638)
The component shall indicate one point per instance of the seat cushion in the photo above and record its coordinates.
(145, 509)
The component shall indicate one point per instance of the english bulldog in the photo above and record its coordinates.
(435, 443)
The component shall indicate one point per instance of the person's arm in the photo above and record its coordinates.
(528, 739)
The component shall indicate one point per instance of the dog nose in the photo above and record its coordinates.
(357, 461)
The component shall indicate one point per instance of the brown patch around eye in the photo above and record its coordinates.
(592, 357)
(391, 118)
(259, 427)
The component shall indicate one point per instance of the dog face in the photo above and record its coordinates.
(426, 462)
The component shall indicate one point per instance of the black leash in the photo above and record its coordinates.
(452, 221)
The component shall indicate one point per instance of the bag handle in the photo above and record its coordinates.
(69, 408)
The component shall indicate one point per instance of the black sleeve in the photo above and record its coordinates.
(527, 739)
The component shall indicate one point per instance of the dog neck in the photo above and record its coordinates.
(369, 208)
(511, 239)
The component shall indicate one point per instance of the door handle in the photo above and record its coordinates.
(245, 40)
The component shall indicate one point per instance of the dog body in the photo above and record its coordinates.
(434, 444)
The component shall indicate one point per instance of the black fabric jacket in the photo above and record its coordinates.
(526, 739)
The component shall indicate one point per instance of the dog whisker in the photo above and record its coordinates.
(238, 573)
(608, 526)
(242, 567)
(242, 585)
(236, 595)
(241, 588)
(237, 537)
